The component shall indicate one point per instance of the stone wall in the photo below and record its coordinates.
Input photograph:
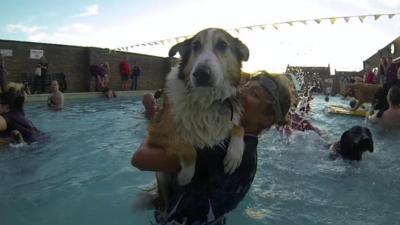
(74, 62)
(153, 69)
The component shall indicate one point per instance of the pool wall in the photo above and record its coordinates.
(87, 95)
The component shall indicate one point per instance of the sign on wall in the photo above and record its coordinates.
(6, 52)
(36, 53)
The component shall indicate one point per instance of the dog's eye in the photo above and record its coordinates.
(196, 45)
(221, 45)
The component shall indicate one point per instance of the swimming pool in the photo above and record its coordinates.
(83, 175)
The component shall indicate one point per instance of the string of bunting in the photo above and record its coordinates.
(332, 20)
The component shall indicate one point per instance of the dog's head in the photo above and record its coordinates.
(354, 142)
(211, 58)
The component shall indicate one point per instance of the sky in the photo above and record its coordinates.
(113, 24)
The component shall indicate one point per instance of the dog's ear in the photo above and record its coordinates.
(181, 47)
(242, 50)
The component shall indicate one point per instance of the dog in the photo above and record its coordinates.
(364, 93)
(200, 104)
(353, 143)
(15, 139)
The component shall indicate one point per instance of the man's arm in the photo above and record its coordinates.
(150, 158)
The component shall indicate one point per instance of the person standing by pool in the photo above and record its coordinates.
(97, 74)
(2, 74)
(55, 100)
(212, 193)
(135, 76)
(125, 71)
(12, 117)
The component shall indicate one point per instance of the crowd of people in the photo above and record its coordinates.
(100, 77)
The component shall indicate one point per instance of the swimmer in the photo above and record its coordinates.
(149, 104)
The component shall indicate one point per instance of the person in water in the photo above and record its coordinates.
(212, 193)
(12, 117)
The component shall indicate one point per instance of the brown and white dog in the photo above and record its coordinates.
(364, 93)
(201, 103)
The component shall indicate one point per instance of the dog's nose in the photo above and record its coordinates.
(202, 76)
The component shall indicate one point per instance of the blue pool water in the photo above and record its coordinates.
(83, 175)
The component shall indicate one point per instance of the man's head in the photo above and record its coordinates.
(354, 142)
(266, 100)
(54, 86)
(148, 101)
(393, 96)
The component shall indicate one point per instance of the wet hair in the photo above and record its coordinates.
(283, 93)
(394, 95)
(15, 99)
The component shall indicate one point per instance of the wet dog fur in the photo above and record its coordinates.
(200, 104)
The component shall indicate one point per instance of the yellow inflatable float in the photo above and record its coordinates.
(346, 111)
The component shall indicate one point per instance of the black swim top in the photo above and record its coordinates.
(211, 193)
(16, 120)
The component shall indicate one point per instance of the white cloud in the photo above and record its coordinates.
(91, 10)
(15, 28)
(76, 27)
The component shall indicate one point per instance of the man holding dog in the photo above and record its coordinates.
(212, 193)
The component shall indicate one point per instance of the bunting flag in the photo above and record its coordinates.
(332, 20)
(303, 22)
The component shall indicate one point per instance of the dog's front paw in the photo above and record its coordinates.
(233, 156)
(186, 174)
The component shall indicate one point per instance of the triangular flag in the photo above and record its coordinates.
(132, 46)
(262, 27)
(333, 20)
(143, 44)
(318, 21)
(237, 30)
(377, 17)
(304, 22)
(290, 23)
(275, 26)
(155, 43)
(391, 16)
(162, 42)
(177, 39)
(347, 19)
(362, 18)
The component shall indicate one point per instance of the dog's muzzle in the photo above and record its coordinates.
(202, 76)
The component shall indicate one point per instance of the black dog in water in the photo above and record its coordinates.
(353, 143)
